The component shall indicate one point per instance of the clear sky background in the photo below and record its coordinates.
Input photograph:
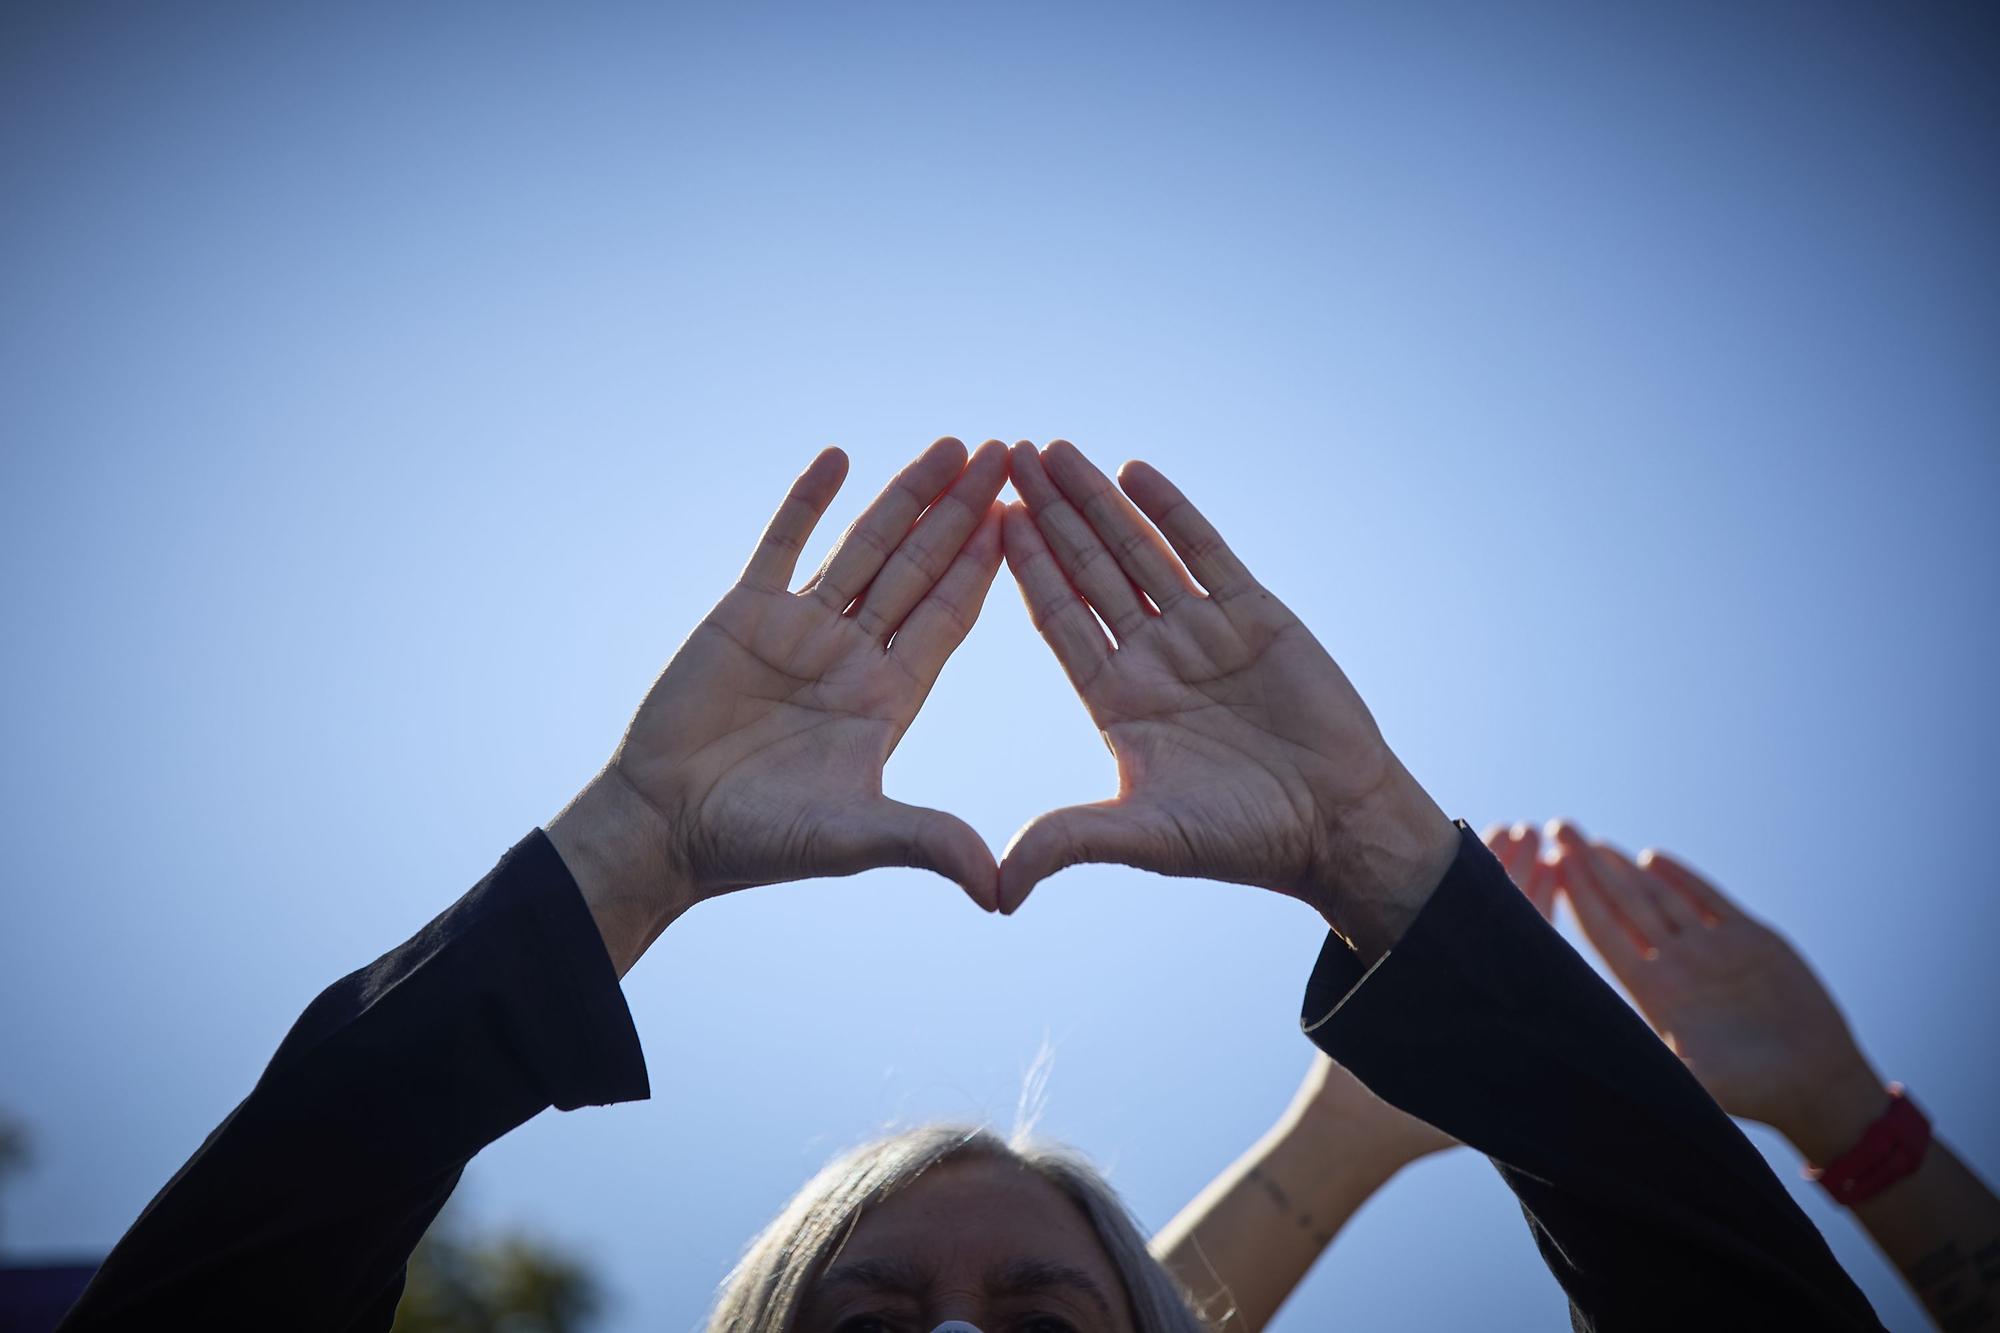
(386, 390)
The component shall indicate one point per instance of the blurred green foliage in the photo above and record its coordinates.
(13, 1148)
(459, 1283)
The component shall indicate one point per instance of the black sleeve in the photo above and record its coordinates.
(301, 1209)
(1651, 1208)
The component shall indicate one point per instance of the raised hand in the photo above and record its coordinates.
(1732, 998)
(758, 754)
(1763, 1035)
(1243, 753)
(1519, 849)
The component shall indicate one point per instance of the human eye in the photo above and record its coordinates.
(871, 1321)
(1043, 1323)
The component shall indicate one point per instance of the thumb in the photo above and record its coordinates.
(1074, 835)
(891, 833)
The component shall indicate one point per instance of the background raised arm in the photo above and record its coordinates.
(1249, 1238)
(757, 756)
(1243, 752)
(1762, 1033)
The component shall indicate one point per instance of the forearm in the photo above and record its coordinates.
(1940, 1227)
(1249, 1238)
(301, 1208)
(1649, 1205)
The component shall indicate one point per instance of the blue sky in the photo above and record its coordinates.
(388, 392)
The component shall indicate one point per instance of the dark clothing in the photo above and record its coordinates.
(1649, 1205)
(300, 1211)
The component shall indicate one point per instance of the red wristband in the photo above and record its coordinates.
(1891, 1148)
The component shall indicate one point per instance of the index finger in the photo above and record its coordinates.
(772, 564)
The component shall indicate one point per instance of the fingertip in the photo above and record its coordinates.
(1493, 834)
(1136, 472)
(986, 898)
(1565, 833)
(1023, 865)
(1025, 467)
(968, 862)
(1020, 897)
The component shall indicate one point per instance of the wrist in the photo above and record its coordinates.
(1837, 1112)
(1382, 863)
(1370, 1142)
(612, 842)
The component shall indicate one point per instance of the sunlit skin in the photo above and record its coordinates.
(1247, 1240)
(1367, 1124)
(757, 755)
(1243, 752)
(981, 1240)
(1728, 993)
(1762, 1033)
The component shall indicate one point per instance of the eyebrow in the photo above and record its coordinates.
(1023, 1277)
(896, 1276)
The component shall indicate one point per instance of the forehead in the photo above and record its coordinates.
(964, 1220)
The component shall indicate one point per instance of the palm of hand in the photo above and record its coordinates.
(1729, 995)
(1229, 723)
(1743, 1010)
(769, 728)
(1243, 753)
(760, 749)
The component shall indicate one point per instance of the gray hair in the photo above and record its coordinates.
(766, 1290)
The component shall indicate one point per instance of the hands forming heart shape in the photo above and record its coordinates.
(1243, 752)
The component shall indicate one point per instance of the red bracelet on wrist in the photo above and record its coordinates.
(1890, 1149)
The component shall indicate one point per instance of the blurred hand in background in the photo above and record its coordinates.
(1763, 1035)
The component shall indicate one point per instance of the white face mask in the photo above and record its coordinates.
(956, 1326)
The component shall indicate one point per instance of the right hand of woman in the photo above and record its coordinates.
(757, 756)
